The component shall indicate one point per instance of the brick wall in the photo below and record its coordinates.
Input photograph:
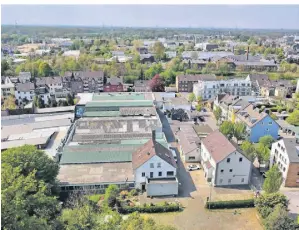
(292, 175)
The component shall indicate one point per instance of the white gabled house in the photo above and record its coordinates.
(223, 162)
(155, 169)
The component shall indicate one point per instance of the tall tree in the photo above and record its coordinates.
(279, 219)
(293, 119)
(217, 113)
(40, 102)
(227, 128)
(158, 49)
(70, 99)
(262, 153)
(266, 140)
(4, 67)
(273, 180)
(191, 97)
(248, 150)
(239, 131)
(157, 84)
(27, 185)
(266, 203)
(9, 103)
(44, 69)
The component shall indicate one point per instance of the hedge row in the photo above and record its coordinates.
(230, 204)
(149, 209)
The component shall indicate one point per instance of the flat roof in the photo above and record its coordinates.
(95, 157)
(101, 114)
(118, 96)
(115, 103)
(95, 173)
(55, 109)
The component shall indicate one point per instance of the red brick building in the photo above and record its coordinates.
(114, 84)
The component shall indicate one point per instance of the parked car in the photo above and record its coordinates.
(174, 154)
(193, 167)
(201, 119)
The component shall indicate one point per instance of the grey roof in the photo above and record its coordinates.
(141, 83)
(292, 149)
(86, 74)
(259, 79)
(114, 80)
(243, 58)
(25, 75)
(199, 129)
(48, 80)
(25, 87)
(203, 77)
(133, 111)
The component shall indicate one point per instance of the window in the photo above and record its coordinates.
(151, 165)
(270, 122)
(297, 173)
(151, 174)
(240, 159)
(278, 145)
(143, 174)
(268, 129)
(221, 170)
(191, 158)
(160, 173)
(170, 173)
(228, 160)
(159, 165)
(220, 181)
(231, 170)
(242, 180)
(284, 169)
(229, 181)
(262, 123)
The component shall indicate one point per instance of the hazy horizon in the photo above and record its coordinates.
(273, 17)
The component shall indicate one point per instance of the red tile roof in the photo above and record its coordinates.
(150, 149)
(218, 146)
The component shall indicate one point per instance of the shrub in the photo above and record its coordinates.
(124, 194)
(150, 209)
(111, 201)
(133, 192)
(95, 198)
(266, 203)
(230, 204)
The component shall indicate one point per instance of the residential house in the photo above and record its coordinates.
(155, 169)
(24, 77)
(206, 46)
(210, 88)
(7, 88)
(285, 154)
(147, 58)
(142, 50)
(223, 162)
(189, 142)
(170, 45)
(258, 124)
(114, 84)
(258, 81)
(43, 91)
(53, 83)
(202, 130)
(142, 86)
(24, 92)
(92, 81)
(184, 83)
(61, 94)
(194, 64)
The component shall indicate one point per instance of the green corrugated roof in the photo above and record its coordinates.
(118, 103)
(95, 157)
(101, 114)
(117, 96)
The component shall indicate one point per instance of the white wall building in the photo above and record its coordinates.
(223, 163)
(154, 163)
(285, 153)
(209, 89)
(24, 91)
(53, 83)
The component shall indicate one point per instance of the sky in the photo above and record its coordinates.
(200, 16)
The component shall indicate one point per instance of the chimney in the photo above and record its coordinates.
(247, 53)
(154, 135)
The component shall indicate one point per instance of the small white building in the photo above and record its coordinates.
(155, 169)
(209, 89)
(24, 91)
(53, 83)
(223, 162)
(176, 103)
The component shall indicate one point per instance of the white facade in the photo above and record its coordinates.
(297, 88)
(54, 87)
(235, 169)
(209, 89)
(22, 95)
(280, 157)
(155, 167)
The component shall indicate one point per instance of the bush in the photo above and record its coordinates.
(111, 201)
(230, 204)
(150, 209)
(124, 194)
(133, 192)
(95, 198)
